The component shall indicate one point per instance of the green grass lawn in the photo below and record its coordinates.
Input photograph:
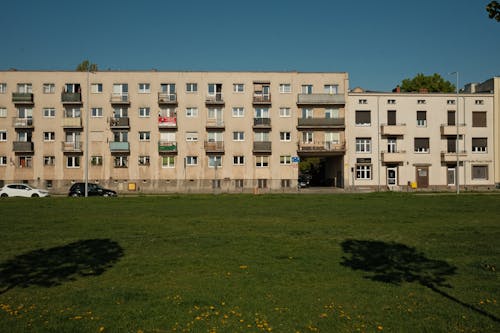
(381, 262)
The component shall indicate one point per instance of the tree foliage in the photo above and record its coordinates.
(493, 9)
(86, 66)
(431, 83)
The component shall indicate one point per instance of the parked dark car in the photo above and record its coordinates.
(78, 190)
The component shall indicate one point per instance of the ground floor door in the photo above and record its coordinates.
(450, 176)
(392, 176)
(422, 177)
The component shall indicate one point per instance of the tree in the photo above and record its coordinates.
(493, 10)
(431, 83)
(86, 66)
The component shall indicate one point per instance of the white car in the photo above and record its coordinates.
(21, 190)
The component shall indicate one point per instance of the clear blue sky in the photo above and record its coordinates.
(378, 43)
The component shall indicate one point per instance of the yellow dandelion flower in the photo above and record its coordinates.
(243, 267)
(101, 329)
(380, 328)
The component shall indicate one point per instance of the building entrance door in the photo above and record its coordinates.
(450, 176)
(422, 177)
(392, 176)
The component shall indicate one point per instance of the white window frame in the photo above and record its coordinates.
(238, 112)
(191, 112)
(73, 162)
(49, 112)
(144, 136)
(144, 112)
(144, 160)
(144, 88)
(306, 89)
(285, 159)
(262, 161)
(3, 88)
(285, 136)
(364, 171)
(363, 145)
(96, 160)
(49, 160)
(96, 88)
(97, 113)
(191, 160)
(238, 87)
(191, 87)
(214, 160)
(168, 162)
(238, 160)
(49, 88)
(120, 161)
(28, 161)
(285, 88)
(49, 136)
(285, 112)
(238, 136)
(307, 137)
(192, 136)
(3, 160)
(331, 89)
(3, 135)
(3, 112)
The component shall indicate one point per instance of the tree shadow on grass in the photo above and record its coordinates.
(396, 263)
(54, 266)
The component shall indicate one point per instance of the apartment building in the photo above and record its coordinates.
(171, 131)
(409, 140)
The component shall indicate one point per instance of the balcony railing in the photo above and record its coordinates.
(214, 99)
(447, 156)
(320, 99)
(396, 130)
(122, 122)
(23, 146)
(261, 122)
(260, 98)
(262, 147)
(452, 129)
(71, 98)
(119, 147)
(167, 147)
(22, 122)
(72, 146)
(167, 98)
(322, 147)
(215, 124)
(167, 122)
(214, 146)
(120, 98)
(22, 98)
(72, 122)
(321, 123)
(397, 156)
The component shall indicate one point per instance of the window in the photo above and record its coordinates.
(144, 160)
(3, 160)
(307, 113)
(285, 112)
(3, 88)
(285, 88)
(49, 136)
(96, 112)
(120, 161)
(285, 159)
(421, 101)
(49, 160)
(144, 88)
(261, 136)
(72, 161)
(331, 88)
(261, 112)
(25, 162)
(49, 88)
(238, 87)
(307, 137)
(286, 183)
(96, 160)
(216, 183)
(332, 113)
(168, 161)
(191, 136)
(479, 145)
(3, 112)
(73, 88)
(144, 112)
(391, 101)
(214, 161)
(480, 172)
(49, 112)
(96, 88)
(191, 87)
(362, 101)
(421, 145)
(307, 89)
(363, 118)
(392, 144)
(391, 117)
(191, 160)
(451, 118)
(25, 88)
(3, 135)
(72, 113)
(262, 183)
(191, 112)
(238, 112)
(478, 119)
(144, 136)
(238, 136)
(450, 102)
(285, 136)
(363, 145)
(238, 160)
(261, 161)
(479, 102)
(120, 136)
(451, 144)
(239, 183)
(421, 118)
(364, 171)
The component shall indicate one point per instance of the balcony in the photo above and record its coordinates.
(71, 98)
(22, 122)
(23, 147)
(449, 157)
(393, 130)
(214, 147)
(119, 123)
(321, 148)
(167, 98)
(215, 124)
(214, 99)
(167, 147)
(72, 122)
(262, 147)
(22, 98)
(320, 123)
(261, 99)
(452, 129)
(320, 99)
(167, 122)
(262, 123)
(120, 98)
(72, 147)
(119, 147)
(393, 157)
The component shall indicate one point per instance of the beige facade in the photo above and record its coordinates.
(396, 140)
(171, 131)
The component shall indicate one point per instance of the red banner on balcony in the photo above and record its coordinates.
(167, 121)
